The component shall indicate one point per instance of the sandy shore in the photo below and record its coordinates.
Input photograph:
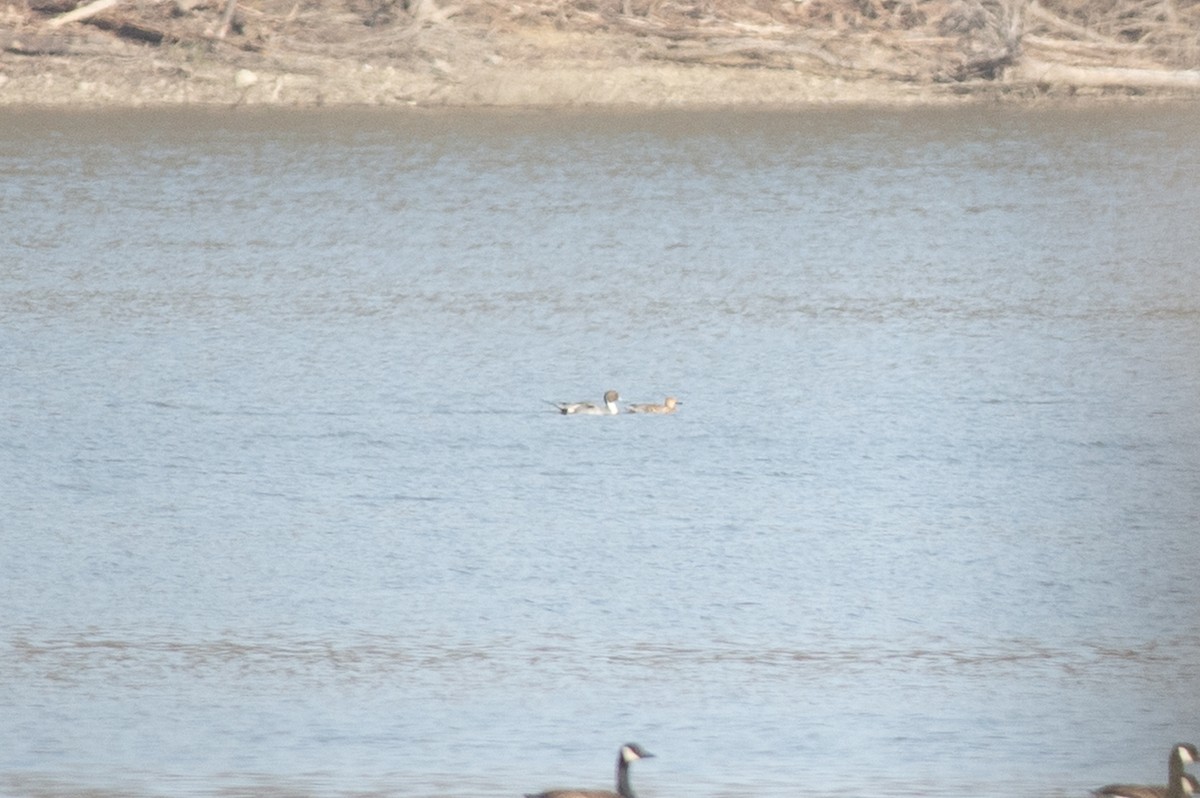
(66, 83)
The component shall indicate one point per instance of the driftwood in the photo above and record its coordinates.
(138, 31)
(1107, 77)
(33, 44)
(750, 52)
(226, 19)
(125, 28)
(83, 12)
(1090, 48)
(1040, 14)
(427, 12)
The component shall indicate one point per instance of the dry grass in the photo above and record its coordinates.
(909, 41)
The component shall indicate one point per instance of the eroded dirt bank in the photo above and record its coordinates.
(578, 53)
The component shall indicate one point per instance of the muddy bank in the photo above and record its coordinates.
(645, 53)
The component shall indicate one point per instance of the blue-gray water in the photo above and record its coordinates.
(285, 512)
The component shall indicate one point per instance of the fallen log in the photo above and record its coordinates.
(34, 44)
(39, 44)
(748, 52)
(1040, 14)
(226, 19)
(1105, 77)
(83, 12)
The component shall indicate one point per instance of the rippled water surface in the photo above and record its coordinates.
(284, 511)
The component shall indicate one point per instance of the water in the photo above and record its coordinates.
(284, 511)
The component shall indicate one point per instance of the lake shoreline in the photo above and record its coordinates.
(497, 61)
(68, 85)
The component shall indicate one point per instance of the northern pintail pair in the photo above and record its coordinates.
(629, 753)
(609, 408)
(668, 406)
(1179, 783)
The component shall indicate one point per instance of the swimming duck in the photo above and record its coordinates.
(668, 406)
(1179, 784)
(609, 408)
(629, 753)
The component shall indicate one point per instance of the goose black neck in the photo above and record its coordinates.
(1175, 772)
(1176, 789)
(623, 788)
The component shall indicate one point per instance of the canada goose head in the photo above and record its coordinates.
(632, 752)
(1184, 753)
(1188, 784)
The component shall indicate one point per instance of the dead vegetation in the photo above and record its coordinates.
(1131, 43)
(909, 40)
